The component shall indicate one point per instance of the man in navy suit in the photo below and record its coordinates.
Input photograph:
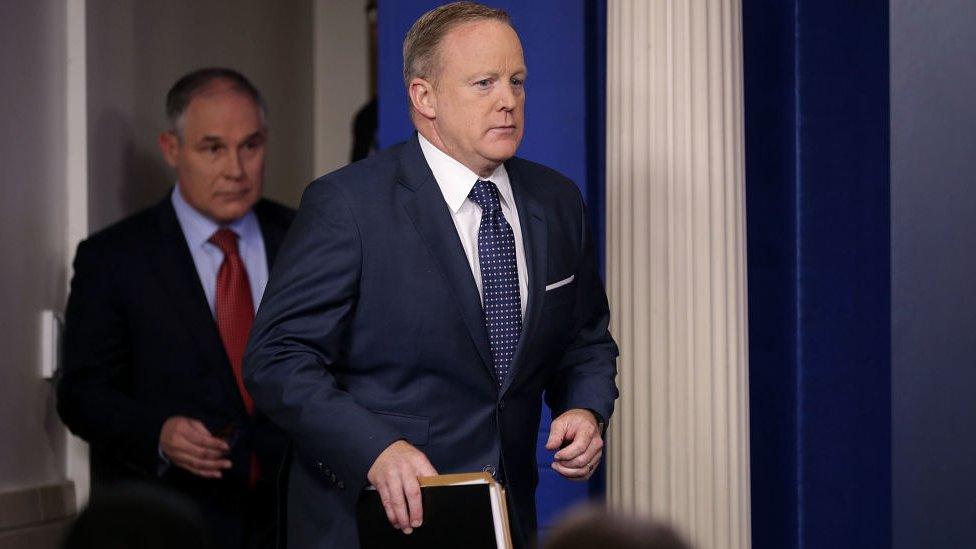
(158, 316)
(426, 299)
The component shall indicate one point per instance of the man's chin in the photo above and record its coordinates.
(231, 212)
(502, 151)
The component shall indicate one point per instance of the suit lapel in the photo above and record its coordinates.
(179, 277)
(532, 220)
(432, 219)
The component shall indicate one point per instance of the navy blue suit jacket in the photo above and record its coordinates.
(372, 330)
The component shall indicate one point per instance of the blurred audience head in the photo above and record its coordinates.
(596, 528)
(139, 516)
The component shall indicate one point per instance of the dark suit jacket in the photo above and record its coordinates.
(372, 330)
(141, 345)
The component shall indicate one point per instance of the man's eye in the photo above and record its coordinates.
(213, 149)
(518, 82)
(483, 83)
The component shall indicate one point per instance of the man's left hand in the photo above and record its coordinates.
(578, 430)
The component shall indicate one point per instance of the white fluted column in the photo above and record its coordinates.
(679, 442)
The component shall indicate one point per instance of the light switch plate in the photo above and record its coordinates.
(51, 328)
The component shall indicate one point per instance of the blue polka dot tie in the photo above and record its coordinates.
(499, 278)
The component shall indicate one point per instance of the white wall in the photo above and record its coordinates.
(341, 78)
(32, 233)
(33, 247)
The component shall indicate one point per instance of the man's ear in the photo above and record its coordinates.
(422, 98)
(169, 145)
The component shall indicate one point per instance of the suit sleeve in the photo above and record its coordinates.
(92, 397)
(587, 368)
(297, 341)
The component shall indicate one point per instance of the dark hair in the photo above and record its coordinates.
(139, 516)
(592, 526)
(187, 87)
(420, 45)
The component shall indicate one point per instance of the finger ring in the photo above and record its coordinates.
(589, 466)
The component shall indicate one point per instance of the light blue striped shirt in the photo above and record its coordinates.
(198, 228)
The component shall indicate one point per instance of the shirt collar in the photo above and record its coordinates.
(198, 228)
(456, 180)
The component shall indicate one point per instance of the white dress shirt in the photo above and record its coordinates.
(456, 182)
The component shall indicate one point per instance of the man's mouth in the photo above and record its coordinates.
(503, 129)
(233, 195)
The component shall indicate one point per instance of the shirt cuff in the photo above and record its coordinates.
(163, 464)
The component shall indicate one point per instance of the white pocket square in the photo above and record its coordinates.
(561, 283)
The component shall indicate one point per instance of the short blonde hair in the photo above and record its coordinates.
(420, 46)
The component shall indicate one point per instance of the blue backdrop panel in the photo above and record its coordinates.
(817, 180)
(563, 41)
(770, 132)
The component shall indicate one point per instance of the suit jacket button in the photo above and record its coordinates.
(341, 485)
(320, 466)
(490, 469)
(501, 405)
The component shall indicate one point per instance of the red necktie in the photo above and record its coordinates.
(235, 314)
(234, 307)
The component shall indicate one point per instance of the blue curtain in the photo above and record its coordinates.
(817, 188)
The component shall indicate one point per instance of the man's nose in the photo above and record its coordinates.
(506, 99)
(234, 167)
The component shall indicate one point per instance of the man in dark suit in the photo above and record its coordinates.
(428, 296)
(159, 312)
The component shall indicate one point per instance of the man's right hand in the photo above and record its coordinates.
(394, 474)
(188, 444)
